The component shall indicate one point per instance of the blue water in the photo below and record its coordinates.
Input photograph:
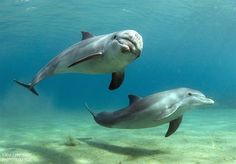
(186, 43)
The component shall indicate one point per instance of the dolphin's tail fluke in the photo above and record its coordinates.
(91, 112)
(28, 86)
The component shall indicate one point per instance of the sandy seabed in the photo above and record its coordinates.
(205, 136)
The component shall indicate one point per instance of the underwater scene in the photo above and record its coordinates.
(118, 82)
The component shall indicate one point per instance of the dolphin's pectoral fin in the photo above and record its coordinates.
(86, 35)
(173, 126)
(133, 98)
(117, 79)
(86, 59)
(28, 86)
(167, 112)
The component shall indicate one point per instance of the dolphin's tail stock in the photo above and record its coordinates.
(88, 109)
(28, 86)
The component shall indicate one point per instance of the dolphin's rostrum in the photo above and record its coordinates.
(109, 53)
(154, 110)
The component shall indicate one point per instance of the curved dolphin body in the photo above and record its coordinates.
(154, 110)
(109, 53)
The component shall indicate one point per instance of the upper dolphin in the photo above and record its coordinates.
(109, 53)
(153, 110)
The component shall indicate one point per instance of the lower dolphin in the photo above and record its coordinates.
(154, 110)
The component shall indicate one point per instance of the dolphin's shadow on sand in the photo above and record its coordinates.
(47, 155)
(123, 150)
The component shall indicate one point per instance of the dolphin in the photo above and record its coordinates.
(153, 110)
(109, 53)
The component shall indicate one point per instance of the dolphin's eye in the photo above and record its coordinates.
(190, 94)
(115, 36)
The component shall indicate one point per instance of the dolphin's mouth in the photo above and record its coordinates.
(129, 45)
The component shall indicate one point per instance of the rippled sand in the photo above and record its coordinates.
(205, 136)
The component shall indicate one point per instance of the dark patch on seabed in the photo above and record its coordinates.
(133, 152)
(50, 156)
(47, 156)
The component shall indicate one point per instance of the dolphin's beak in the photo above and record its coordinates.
(129, 45)
(206, 100)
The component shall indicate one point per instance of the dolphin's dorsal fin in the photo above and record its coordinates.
(173, 126)
(86, 35)
(133, 99)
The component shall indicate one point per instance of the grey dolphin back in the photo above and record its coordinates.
(86, 35)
